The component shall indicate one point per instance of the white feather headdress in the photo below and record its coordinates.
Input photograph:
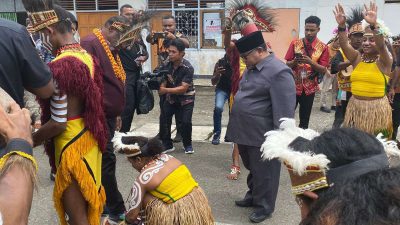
(277, 142)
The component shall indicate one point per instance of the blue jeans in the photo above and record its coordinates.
(220, 98)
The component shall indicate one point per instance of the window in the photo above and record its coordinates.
(67, 4)
(187, 23)
(89, 5)
(199, 20)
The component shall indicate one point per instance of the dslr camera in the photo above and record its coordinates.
(155, 79)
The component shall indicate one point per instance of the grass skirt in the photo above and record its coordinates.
(371, 116)
(193, 209)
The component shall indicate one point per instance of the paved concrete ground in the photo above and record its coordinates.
(209, 166)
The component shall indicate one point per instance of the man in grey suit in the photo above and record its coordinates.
(266, 94)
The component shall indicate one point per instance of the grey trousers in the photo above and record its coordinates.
(263, 179)
(327, 82)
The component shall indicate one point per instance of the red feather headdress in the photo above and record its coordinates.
(251, 15)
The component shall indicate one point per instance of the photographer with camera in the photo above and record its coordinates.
(163, 40)
(178, 90)
(308, 57)
(222, 80)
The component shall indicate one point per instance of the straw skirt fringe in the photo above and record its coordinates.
(193, 209)
(371, 116)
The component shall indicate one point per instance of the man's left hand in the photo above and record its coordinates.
(162, 91)
(169, 35)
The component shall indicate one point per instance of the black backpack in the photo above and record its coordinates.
(145, 98)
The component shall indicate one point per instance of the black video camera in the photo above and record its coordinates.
(154, 80)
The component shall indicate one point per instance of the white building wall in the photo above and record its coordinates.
(324, 10)
(203, 60)
(136, 4)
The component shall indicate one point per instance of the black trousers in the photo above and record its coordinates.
(396, 115)
(306, 103)
(114, 203)
(130, 107)
(263, 179)
(163, 122)
(340, 112)
(184, 114)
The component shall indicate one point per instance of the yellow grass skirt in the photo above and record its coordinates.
(78, 156)
(193, 209)
(371, 116)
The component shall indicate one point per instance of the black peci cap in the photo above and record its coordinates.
(250, 42)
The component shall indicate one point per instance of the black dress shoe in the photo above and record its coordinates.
(325, 109)
(244, 203)
(259, 216)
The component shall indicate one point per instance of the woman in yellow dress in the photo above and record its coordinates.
(73, 121)
(368, 109)
(165, 190)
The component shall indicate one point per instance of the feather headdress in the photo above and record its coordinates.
(310, 171)
(41, 13)
(383, 29)
(354, 20)
(248, 12)
(126, 143)
(131, 35)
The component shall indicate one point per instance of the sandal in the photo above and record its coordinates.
(235, 171)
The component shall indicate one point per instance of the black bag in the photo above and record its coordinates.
(145, 98)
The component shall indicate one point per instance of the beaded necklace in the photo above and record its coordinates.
(365, 59)
(115, 62)
(69, 47)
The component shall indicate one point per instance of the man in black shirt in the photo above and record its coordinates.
(20, 64)
(163, 40)
(222, 79)
(20, 67)
(132, 59)
(179, 94)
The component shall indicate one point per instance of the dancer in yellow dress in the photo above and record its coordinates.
(165, 190)
(73, 122)
(368, 109)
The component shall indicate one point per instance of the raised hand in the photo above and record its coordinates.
(340, 15)
(371, 13)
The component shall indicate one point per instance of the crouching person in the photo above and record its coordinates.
(165, 191)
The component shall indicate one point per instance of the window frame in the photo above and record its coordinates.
(200, 12)
(96, 2)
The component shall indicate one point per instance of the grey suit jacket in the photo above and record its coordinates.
(266, 94)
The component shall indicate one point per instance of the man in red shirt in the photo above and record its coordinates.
(308, 57)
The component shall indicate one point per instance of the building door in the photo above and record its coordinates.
(156, 26)
(286, 31)
(90, 20)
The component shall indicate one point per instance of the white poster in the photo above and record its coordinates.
(211, 25)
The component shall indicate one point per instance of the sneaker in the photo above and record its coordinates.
(215, 140)
(189, 150)
(324, 109)
(169, 149)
